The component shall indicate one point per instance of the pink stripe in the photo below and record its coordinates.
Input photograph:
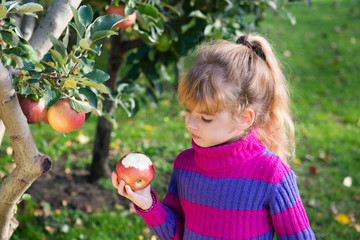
(258, 169)
(172, 202)
(291, 221)
(224, 223)
(155, 216)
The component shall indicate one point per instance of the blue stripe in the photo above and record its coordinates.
(228, 193)
(168, 228)
(286, 195)
(191, 235)
(306, 234)
(267, 152)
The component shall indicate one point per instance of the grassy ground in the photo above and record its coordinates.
(320, 55)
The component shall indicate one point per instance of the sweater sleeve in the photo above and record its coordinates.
(287, 211)
(165, 219)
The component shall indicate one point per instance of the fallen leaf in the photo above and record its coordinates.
(65, 228)
(356, 198)
(149, 127)
(356, 226)
(342, 218)
(313, 169)
(50, 229)
(9, 150)
(333, 208)
(353, 40)
(312, 203)
(68, 143)
(347, 181)
(82, 139)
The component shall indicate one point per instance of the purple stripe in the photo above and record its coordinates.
(168, 228)
(195, 188)
(286, 195)
(306, 234)
(191, 235)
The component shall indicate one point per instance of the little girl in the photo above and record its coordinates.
(234, 183)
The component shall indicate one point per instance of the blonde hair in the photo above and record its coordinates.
(236, 76)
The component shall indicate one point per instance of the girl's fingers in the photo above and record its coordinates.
(128, 189)
(121, 186)
(114, 179)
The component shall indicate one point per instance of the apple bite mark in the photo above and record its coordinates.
(136, 169)
(137, 160)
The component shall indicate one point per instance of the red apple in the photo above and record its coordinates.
(119, 10)
(63, 118)
(136, 169)
(45, 118)
(34, 111)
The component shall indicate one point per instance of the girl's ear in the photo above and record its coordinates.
(248, 117)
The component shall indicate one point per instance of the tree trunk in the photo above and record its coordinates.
(30, 163)
(28, 24)
(100, 162)
(55, 22)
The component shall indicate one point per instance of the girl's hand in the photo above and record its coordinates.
(141, 198)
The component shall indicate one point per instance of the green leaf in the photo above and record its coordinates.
(6, 36)
(3, 11)
(58, 45)
(29, 7)
(100, 87)
(104, 23)
(51, 96)
(25, 91)
(80, 106)
(90, 96)
(84, 45)
(85, 15)
(57, 57)
(66, 37)
(148, 10)
(25, 196)
(198, 14)
(97, 76)
(101, 34)
(15, 50)
(10, 4)
(80, 28)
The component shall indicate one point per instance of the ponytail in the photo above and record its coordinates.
(274, 122)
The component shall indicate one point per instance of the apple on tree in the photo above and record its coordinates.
(63, 118)
(136, 169)
(34, 111)
(120, 10)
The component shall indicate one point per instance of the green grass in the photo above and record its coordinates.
(320, 56)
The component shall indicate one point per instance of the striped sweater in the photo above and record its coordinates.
(235, 191)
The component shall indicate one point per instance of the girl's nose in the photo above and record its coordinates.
(190, 121)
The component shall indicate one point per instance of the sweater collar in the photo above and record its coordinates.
(224, 156)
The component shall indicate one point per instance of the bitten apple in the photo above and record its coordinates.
(34, 111)
(120, 10)
(136, 169)
(63, 118)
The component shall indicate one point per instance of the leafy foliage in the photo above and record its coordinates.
(62, 73)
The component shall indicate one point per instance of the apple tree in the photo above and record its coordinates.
(57, 85)
(163, 33)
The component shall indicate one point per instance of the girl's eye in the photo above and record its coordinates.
(206, 120)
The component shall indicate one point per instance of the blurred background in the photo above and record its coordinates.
(318, 43)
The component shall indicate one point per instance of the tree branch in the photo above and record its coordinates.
(55, 22)
(30, 163)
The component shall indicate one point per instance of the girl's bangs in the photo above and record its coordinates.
(200, 95)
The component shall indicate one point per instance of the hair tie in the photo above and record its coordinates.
(248, 44)
(255, 48)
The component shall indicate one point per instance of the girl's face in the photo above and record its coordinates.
(212, 130)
